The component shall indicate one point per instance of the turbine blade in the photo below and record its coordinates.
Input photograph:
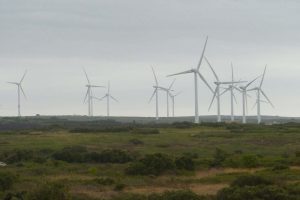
(184, 72)
(97, 86)
(226, 90)
(252, 82)
(212, 69)
(203, 79)
(114, 98)
(156, 81)
(202, 55)
(238, 89)
(14, 83)
(103, 97)
(267, 98)
(108, 87)
(262, 79)
(152, 95)
(23, 92)
(172, 84)
(254, 105)
(234, 97)
(87, 93)
(214, 96)
(87, 78)
(23, 76)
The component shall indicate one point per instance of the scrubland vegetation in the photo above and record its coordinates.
(105, 160)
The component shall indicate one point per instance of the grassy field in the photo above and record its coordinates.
(220, 153)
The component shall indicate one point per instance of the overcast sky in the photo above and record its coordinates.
(119, 40)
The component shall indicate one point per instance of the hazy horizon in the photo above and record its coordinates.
(119, 41)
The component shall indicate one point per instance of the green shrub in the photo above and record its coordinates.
(250, 161)
(50, 191)
(280, 166)
(119, 187)
(176, 195)
(250, 180)
(219, 158)
(185, 163)
(266, 192)
(79, 155)
(154, 164)
(6, 180)
(136, 142)
(104, 181)
(146, 131)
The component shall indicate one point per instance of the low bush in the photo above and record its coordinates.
(6, 180)
(104, 181)
(154, 164)
(250, 161)
(219, 158)
(185, 163)
(78, 155)
(250, 180)
(146, 131)
(50, 191)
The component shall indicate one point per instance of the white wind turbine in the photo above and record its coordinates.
(108, 96)
(168, 92)
(243, 90)
(89, 94)
(217, 93)
(173, 102)
(231, 88)
(19, 89)
(196, 73)
(155, 92)
(259, 91)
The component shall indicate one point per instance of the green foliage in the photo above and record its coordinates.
(153, 164)
(219, 158)
(250, 180)
(6, 180)
(280, 166)
(183, 125)
(80, 154)
(104, 181)
(50, 191)
(250, 161)
(146, 131)
(255, 187)
(269, 192)
(185, 163)
(119, 187)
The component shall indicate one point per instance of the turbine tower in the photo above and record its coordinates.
(173, 102)
(217, 94)
(155, 92)
(196, 73)
(243, 90)
(260, 92)
(19, 90)
(168, 92)
(89, 94)
(108, 97)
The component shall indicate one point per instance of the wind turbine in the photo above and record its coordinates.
(258, 100)
(155, 92)
(196, 73)
(217, 94)
(231, 87)
(173, 102)
(108, 97)
(20, 90)
(89, 94)
(168, 92)
(243, 90)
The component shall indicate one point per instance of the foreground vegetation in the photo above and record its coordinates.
(61, 159)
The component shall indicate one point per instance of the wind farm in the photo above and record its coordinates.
(149, 100)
